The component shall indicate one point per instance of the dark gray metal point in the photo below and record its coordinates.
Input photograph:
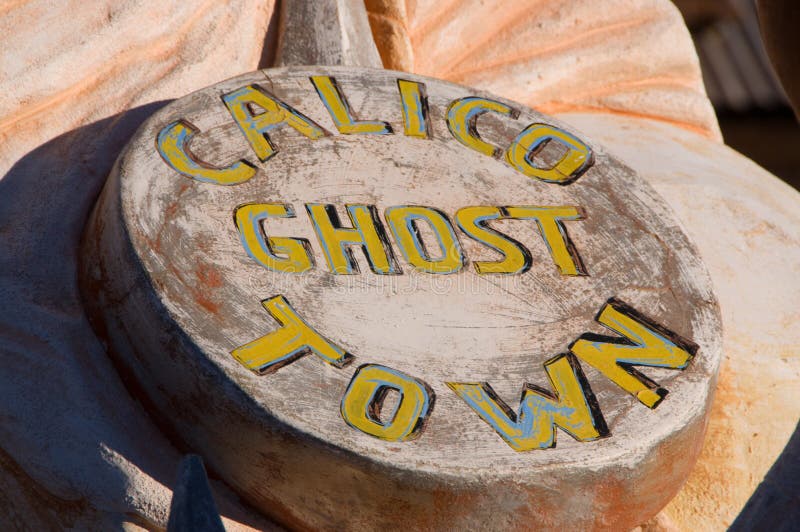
(193, 508)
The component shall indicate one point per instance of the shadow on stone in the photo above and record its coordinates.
(775, 505)
(77, 449)
(64, 408)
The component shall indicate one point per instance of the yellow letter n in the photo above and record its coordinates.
(644, 344)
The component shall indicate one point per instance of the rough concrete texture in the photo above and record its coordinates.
(76, 83)
(633, 57)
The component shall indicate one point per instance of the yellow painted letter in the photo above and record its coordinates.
(416, 122)
(550, 222)
(403, 219)
(257, 126)
(462, 120)
(367, 232)
(263, 249)
(472, 220)
(574, 408)
(365, 395)
(339, 109)
(173, 145)
(292, 340)
(576, 160)
(647, 345)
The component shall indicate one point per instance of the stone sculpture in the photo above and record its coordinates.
(80, 449)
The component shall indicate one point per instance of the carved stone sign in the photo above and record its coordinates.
(368, 297)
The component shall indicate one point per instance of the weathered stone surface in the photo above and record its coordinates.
(325, 32)
(746, 224)
(175, 293)
(633, 57)
(76, 83)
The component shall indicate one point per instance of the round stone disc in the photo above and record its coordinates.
(370, 298)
